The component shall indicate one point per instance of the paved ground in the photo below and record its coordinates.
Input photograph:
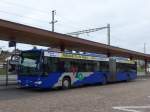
(130, 97)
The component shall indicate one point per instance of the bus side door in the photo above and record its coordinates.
(112, 70)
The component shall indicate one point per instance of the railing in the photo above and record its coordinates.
(6, 77)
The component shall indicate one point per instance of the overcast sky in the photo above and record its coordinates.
(129, 19)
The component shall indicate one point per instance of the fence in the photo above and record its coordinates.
(6, 77)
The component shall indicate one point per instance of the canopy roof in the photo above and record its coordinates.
(10, 31)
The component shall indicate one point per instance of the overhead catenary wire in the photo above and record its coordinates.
(86, 31)
(24, 7)
(22, 16)
(15, 9)
(30, 18)
(35, 10)
(35, 24)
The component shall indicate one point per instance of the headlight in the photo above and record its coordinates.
(38, 82)
(19, 81)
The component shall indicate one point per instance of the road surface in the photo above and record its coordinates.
(119, 97)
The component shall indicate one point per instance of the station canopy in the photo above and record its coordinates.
(10, 31)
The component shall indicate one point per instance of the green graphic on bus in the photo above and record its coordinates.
(80, 76)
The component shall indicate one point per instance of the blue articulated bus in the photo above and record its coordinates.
(51, 69)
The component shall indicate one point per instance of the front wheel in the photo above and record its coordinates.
(66, 83)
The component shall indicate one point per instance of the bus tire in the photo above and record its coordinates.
(66, 83)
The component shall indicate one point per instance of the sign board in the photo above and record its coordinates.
(73, 56)
(12, 43)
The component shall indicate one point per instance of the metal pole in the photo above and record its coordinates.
(108, 33)
(53, 14)
(6, 66)
(15, 58)
(144, 48)
(53, 20)
(145, 67)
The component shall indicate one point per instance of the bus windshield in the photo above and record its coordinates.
(29, 63)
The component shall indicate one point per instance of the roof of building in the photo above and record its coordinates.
(31, 35)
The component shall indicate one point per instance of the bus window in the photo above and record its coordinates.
(125, 67)
(52, 64)
(82, 66)
(96, 66)
(74, 66)
(121, 67)
(104, 66)
(132, 67)
(67, 65)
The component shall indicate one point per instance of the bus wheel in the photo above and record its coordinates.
(66, 83)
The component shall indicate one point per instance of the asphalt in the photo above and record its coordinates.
(131, 96)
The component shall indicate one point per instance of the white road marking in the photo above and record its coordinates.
(142, 79)
(131, 108)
